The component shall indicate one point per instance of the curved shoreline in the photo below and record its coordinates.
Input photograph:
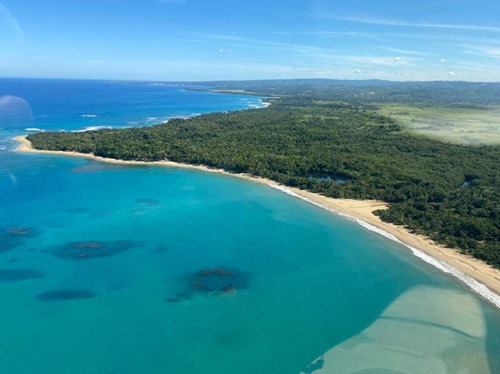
(475, 274)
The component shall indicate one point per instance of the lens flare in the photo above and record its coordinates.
(15, 113)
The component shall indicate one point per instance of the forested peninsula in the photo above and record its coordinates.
(341, 149)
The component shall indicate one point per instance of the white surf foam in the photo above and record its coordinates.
(89, 115)
(470, 282)
(34, 129)
(92, 128)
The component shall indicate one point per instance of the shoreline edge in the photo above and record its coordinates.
(478, 276)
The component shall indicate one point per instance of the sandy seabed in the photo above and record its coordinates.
(476, 274)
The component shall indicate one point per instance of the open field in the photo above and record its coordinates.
(467, 126)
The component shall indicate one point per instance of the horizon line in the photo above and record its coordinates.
(247, 80)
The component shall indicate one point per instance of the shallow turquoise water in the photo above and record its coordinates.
(312, 291)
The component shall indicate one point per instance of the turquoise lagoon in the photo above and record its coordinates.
(301, 291)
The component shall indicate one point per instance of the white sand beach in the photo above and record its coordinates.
(473, 272)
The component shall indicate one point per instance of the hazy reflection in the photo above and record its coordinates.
(425, 330)
(15, 113)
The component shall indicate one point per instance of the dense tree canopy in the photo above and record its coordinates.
(448, 192)
(364, 92)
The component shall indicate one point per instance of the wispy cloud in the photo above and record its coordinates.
(309, 70)
(248, 42)
(330, 34)
(388, 61)
(482, 50)
(225, 37)
(322, 55)
(403, 23)
(402, 51)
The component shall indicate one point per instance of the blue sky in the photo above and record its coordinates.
(176, 40)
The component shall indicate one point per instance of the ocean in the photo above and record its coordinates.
(110, 268)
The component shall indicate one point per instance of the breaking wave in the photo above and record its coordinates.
(473, 284)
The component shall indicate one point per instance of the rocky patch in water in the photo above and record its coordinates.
(94, 249)
(138, 211)
(211, 281)
(148, 202)
(13, 236)
(19, 231)
(95, 167)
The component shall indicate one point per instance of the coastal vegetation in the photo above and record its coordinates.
(338, 148)
(368, 92)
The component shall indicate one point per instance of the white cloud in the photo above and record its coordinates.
(451, 74)
(330, 34)
(402, 51)
(309, 70)
(483, 50)
(392, 22)
(442, 61)
(225, 37)
(386, 60)
(492, 52)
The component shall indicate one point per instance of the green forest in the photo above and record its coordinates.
(344, 150)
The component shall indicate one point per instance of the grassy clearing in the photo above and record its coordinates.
(455, 125)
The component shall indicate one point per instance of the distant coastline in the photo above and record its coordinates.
(477, 275)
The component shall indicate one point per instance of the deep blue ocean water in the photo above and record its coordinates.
(119, 269)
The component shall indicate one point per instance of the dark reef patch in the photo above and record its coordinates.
(94, 249)
(19, 231)
(181, 296)
(95, 167)
(218, 280)
(61, 295)
(148, 202)
(161, 248)
(213, 281)
(16, 275)
(8, 242)
(13, 236)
